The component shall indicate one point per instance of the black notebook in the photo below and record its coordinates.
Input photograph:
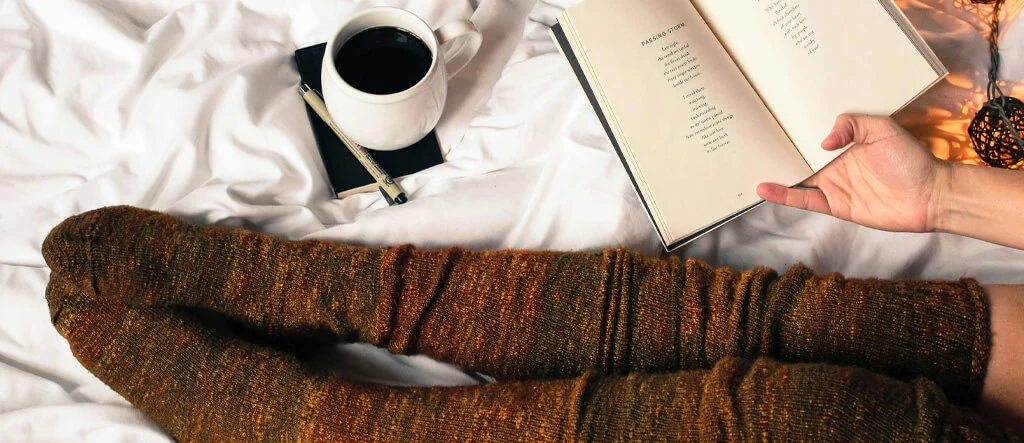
(347, 175)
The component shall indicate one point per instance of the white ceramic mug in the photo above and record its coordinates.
(394, 121)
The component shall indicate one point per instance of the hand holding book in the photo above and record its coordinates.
(887, 180)
(705, 99)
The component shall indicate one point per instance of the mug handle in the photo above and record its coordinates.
(457, 56)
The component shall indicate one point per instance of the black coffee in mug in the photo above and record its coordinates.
(383, 60)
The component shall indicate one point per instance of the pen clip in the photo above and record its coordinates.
(387, 198)
(399, 199)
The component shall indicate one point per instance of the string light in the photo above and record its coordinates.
(997, 129)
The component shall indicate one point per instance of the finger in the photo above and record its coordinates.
(808, 199)
(859, 128)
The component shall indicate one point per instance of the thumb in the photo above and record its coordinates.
(859, 128)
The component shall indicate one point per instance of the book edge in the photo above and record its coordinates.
(710, 228)
(915, 38)
(562, 43)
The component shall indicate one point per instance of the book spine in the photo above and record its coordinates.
(561, 41)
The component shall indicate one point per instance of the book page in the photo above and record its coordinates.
(813, 60)
(695, 135)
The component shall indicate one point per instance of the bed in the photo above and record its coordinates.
(190, 107)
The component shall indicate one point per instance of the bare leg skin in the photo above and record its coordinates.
(1002, 398)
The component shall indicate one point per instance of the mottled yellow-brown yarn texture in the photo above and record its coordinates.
(610, 346)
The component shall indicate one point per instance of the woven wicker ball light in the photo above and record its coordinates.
(996, 133)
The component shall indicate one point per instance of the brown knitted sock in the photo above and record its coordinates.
(764, 400)
(126, 284)
(533, 315)
(200, 384)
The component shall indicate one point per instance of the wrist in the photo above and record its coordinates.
(942, 198)
(979, 202)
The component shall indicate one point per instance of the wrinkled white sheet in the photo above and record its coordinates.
(190, 107)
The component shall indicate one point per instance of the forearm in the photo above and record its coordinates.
(983, 203)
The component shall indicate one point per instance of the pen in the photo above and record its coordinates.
(392, 193)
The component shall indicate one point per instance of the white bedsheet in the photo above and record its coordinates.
(190, 107)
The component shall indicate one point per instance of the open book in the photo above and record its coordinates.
(704, 99)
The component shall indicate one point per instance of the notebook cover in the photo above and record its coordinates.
(344, 171)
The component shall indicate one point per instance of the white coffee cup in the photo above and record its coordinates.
(394, 121)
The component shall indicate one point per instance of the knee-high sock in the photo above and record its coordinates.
(533, 315)
(201, 384)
